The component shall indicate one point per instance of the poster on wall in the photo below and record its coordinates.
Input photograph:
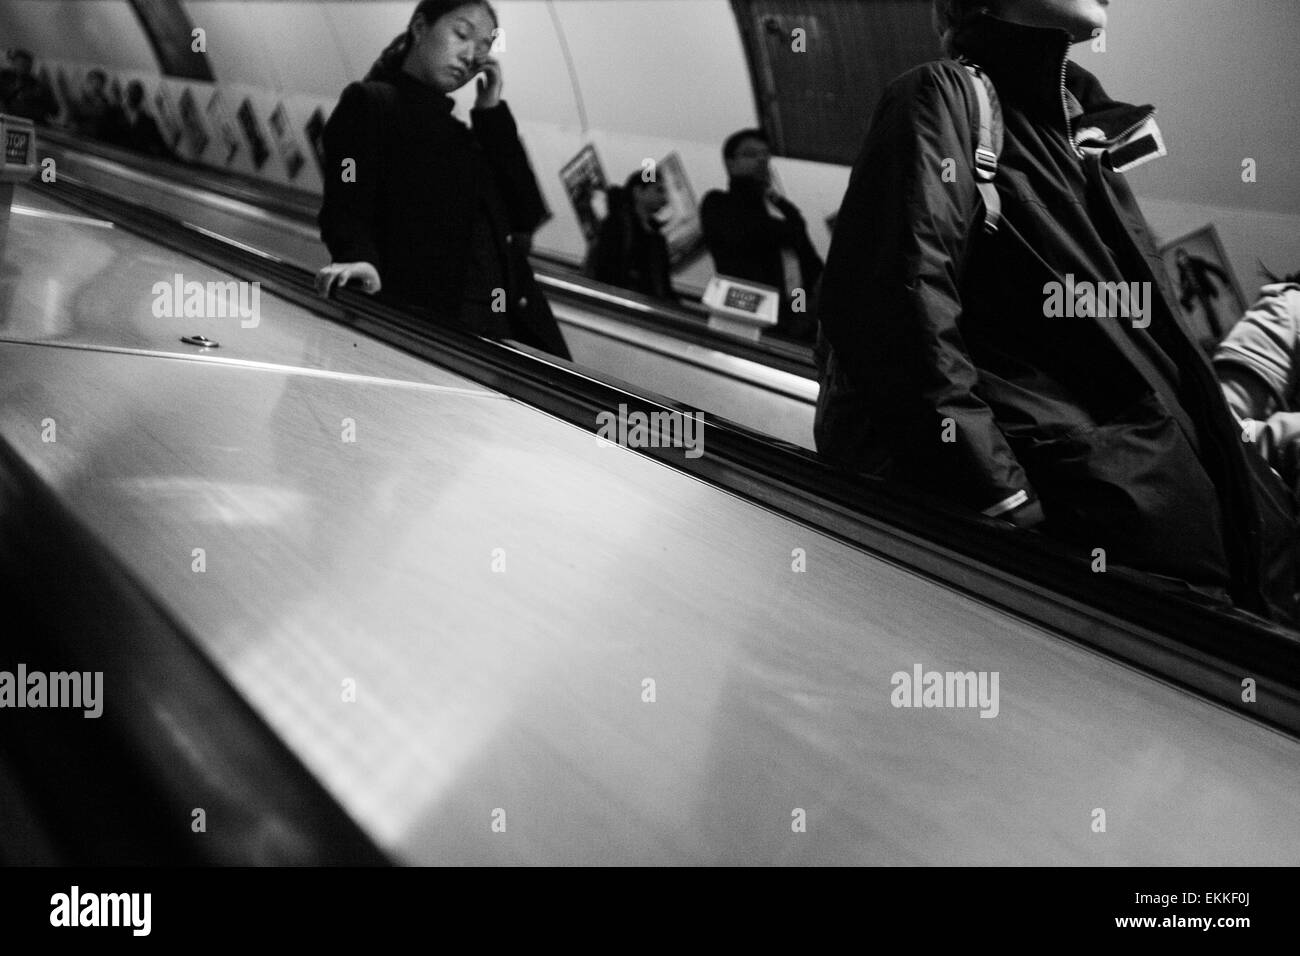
(583, 177)
(1204, 284)
(316, 138)
(220, 120)
(285, 142)
(681, 217)
(253, 133)
(192, 121)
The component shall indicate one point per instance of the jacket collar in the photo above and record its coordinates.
(746, 188)
(1030, 68)
(421, 93)
(1027, 64)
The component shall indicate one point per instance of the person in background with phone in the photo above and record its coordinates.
(423, 212)
(755, 233)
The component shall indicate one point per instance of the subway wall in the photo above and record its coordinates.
(643, 78)
(1222, 75)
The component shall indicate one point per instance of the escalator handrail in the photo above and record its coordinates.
(687, 322)
(684, 326)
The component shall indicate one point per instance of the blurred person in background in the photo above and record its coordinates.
(1259, 372)
(133, 128)
(630, 250)
(91, 112)
(24, 94)
(755, 233)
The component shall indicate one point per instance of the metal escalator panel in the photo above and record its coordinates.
(75, 284)
(466, 606)
(456, 609)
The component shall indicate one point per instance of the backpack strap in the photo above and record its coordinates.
(988, 145)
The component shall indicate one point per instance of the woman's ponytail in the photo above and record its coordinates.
(390, 61)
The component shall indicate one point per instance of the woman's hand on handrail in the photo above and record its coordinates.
(361, 275)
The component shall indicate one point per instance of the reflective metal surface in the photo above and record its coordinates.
(768, 400)
(450, 606)
(61, 217)
(98, 288)
(773, 402)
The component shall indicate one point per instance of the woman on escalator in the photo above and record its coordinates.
(422, 211)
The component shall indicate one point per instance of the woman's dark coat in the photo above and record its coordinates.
(947, 373)
(628, 256)
(420, 178)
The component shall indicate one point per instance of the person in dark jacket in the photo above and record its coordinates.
(24, 94)
(92, 113)
(420, 210)
(630, 250)
(950, 365)
(755, 233)
(133, 127)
